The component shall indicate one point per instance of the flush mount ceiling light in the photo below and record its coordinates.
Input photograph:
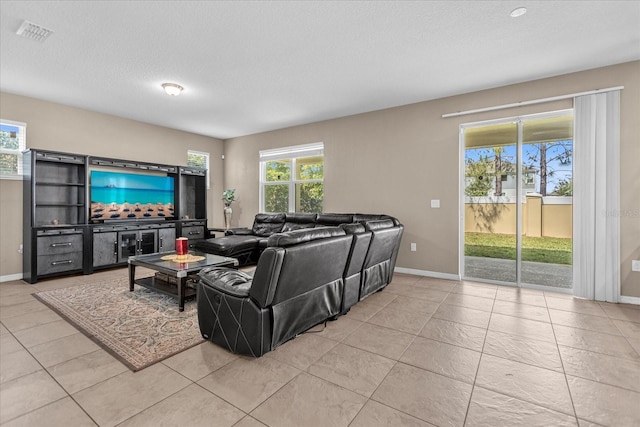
(172, 89)
(519, 11)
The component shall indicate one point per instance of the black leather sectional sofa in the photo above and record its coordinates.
(246, 244)
(303, 277)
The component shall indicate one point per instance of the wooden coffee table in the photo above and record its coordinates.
(174, 269)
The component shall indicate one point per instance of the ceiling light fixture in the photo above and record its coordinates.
(172, 89)
(33, 31)
(519, 11)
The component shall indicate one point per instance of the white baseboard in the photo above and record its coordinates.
(629, 300)
(11, 277)
(426, 273)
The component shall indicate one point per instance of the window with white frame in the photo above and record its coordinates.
(13, 141)
(292, 179)
(199, 159)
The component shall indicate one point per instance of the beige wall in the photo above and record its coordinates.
(396, 160)
(393, 161)
(53, 126)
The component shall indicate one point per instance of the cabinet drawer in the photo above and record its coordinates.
(59, 244)
(48, 264)
(193, 233)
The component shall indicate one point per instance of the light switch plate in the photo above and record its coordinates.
(435, 203)
(635, 265)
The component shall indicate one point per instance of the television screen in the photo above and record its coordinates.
(116, 195)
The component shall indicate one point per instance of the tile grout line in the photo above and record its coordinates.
(370, 398)
(564, 371)
(44, 369)
(475, 378)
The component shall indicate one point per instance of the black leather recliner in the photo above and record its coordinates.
(380, 261)
(298, 283)
(355, 264)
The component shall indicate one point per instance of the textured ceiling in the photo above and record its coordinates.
(249, 67)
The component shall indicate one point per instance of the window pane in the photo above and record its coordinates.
(309, 197)
(12, 143)
(8, 164)
(276, 198)
(196, 160)
(9, 137)
(310, 168)
(278, 170)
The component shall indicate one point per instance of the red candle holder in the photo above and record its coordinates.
(182, 248)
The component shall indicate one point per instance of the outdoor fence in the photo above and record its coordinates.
(541, 216)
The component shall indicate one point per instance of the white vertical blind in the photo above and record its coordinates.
(596, 232)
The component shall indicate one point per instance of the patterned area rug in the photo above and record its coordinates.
(139, 328)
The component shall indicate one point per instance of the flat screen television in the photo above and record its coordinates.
(128, 196)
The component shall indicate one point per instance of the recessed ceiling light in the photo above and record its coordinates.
(519, 11)
(172, 89)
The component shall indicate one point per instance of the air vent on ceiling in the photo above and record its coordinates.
(33, 31)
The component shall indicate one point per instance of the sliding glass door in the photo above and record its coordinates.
(490, 195)
(517, 200)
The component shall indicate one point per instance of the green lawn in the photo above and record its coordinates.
(551, 250)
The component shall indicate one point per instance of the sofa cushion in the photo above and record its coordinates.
(228, 246)
(228, 280)
(264, 225)
(334, 219)
(362, 218)
(301, 236)
(296, 221)
(378, 224)
(353, 228)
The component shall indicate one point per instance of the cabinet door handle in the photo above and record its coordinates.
(55, 245)
(191, 233)
(115, 248)
(161, 244)
(68, 261)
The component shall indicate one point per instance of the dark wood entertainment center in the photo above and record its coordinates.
(61, 237)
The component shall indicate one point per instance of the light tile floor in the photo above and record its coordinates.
(422, 352)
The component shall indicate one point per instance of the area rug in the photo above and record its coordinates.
(139, 328)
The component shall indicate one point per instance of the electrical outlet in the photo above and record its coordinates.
(20, 249)
(635, 265)
(435, 203)
(413, 247)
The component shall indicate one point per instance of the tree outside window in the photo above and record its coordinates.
(12, 144)
(199, 159)
(293, 184)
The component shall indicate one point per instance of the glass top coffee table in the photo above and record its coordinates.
(176, 272)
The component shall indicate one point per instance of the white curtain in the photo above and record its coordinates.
(596, 198)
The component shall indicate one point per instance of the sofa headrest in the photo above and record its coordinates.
(353, 228)
(362, 218)
(304, 235)
(270, 217)
(264, 225)
(303, 218)
(296, 221)
(334, 219)
(378, 224)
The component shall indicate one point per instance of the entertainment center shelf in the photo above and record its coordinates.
(83, 213)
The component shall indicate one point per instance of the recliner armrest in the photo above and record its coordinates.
(227, 280)
(239, 231)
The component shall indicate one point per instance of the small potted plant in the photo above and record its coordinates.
(228, 197)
